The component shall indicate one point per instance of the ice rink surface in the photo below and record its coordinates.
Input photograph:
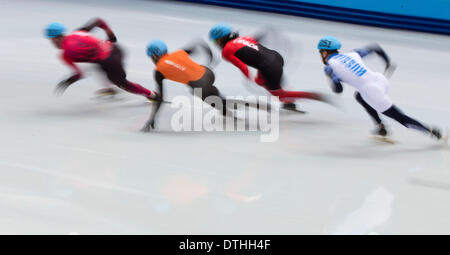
(73, 164)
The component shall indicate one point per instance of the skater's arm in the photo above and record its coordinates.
(64, 84)
(159, 77)
(264, 32)
(260, 35)
(336, 85)
(390, 67)
(228, 53)
(151, 122)
(193, 48)
(239, 64)
(77, 75)
(98, 22)
(374, 48)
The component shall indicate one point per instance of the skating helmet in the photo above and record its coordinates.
(54, 29)
(219, 31)
(156, 47)
(329, 43)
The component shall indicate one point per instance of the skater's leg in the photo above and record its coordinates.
(405, 120)
(409, 122)
(136, 89)
(283, 94)
(115, 72)
(375, 95)
(213, 91)
(119, 78)
(208, 89)
(271, 76)
(372, 112)
(108, 89)
(381, 129)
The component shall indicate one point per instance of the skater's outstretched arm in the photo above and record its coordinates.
(64, 84)
(336, 85)
(260, 35)
(375, 48)
(263, 33)
(98, 22)
(200, 44)
(228, 54)
(159, 77)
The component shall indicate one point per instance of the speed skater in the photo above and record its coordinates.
(371, 86)
(82, 47)
(247, 51)
(179, 67)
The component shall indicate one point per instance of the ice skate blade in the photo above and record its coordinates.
(382, 139)
(107, 98)
(294, 111)
(242, 104)
(153, 101)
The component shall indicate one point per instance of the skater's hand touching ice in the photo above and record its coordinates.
(149, 126)
(64, 84)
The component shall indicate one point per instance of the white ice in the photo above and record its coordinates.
(71, 164)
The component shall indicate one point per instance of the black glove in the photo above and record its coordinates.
(149, 126)
(63, 85)
(111, 36)
(337, 87)
(389, 70)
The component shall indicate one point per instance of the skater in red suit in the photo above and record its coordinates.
(247, 51)
(82, 47)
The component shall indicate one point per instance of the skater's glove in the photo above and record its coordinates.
(149, 126)
(111, 36)
(64, 84)
(390, 69)
(61, 87)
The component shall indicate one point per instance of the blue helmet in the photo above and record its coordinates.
(156, 47)
(219, 31)
(54, 29)
(329, 43)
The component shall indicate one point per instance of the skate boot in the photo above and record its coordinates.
(380, 130)
(380, 134)
(438, 134)
(291, 107)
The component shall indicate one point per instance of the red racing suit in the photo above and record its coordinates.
(80, 46)
(246, 51)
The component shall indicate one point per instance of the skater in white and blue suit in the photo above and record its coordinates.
(371, 87)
